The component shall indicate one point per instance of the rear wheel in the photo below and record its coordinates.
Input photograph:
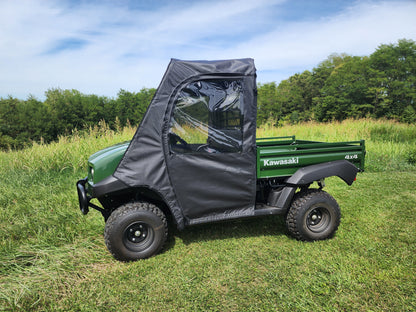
(314, 215)
(135, 231)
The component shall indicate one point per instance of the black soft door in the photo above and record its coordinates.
(211, 148)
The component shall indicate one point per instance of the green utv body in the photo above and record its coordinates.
(195, 158)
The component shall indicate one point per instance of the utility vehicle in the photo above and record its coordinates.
(195, 159)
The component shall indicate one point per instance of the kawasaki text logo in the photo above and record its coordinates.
(290, 161)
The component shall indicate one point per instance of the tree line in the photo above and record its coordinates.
(22, 122)
(382, 85)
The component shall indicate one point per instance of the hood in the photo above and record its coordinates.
(104, 162)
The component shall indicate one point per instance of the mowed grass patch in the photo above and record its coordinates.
(241, 265)
(53, 258)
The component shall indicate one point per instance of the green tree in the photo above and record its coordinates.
(325, 68)
(70, 109)
(393, 82)
(296, 95)
(22, 121)
(345, 92)
(34, 121)
(64, 107)
(131, 106)
(9, 128)
(268, 108)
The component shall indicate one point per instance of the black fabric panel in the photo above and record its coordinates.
(144, 161)
(213, 186)
(213, 183)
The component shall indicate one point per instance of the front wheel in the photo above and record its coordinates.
(313, 215)
(135, 231)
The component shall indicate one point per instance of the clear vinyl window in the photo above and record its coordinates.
(207, 118)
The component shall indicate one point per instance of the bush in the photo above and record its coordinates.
(411, 156)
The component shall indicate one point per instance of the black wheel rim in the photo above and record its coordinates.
(318, 219)
(138, 236)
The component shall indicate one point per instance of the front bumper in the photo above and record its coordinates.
(83, 198)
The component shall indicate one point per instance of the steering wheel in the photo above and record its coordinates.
(174, 139)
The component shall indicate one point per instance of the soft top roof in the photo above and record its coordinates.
(187, 69)
(180, 71)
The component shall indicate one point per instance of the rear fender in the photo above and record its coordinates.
(306, 175)
(340, 168)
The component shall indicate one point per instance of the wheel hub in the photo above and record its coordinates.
(137, 232)
(315, 217)
(318, 219)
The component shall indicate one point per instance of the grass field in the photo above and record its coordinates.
(52, 258)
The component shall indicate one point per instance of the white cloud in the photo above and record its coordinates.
(102, 47)
(357, 31)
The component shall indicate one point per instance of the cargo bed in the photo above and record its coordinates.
(283, 156)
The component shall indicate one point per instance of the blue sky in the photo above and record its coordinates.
(101, 47)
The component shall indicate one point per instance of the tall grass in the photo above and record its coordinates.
(68, 153)
(390, 145)
(52, 258)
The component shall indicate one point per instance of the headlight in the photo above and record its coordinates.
(90, 174)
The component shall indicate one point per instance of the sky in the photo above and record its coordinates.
(100, 47)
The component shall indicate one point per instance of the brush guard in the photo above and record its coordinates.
(84, 199)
